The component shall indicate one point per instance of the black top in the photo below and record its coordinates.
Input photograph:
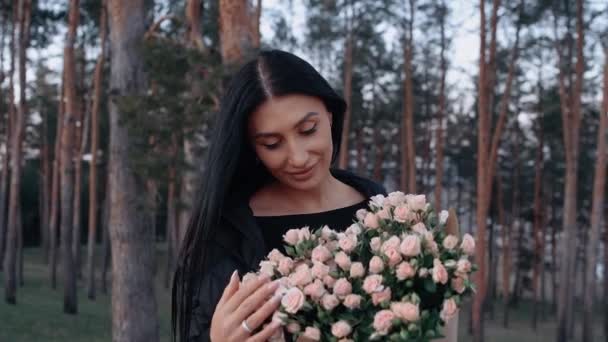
(274, 227)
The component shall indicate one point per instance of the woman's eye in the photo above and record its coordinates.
(310, 131)
(272, 146)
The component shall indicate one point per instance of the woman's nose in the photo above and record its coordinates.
(298, 156)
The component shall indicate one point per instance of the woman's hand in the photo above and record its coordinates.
(243, 308)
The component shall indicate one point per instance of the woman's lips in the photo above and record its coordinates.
(302, 175)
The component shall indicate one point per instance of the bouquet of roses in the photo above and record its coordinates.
(395, 274)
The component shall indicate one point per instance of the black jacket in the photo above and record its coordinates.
(239, 245)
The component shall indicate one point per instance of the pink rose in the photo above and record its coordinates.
(420, 228)
(423, 272)
(416, 202)
(352, 301)
(443, 217)
(331, 245)
(376, 265)
(383, 320)
(373, 283)
(342, 260)
(405, 271)
(275, 256)
(393, 255)
(468, 244)
(371, 221)
(375, 244)
(406, 311)
(377, 201)
(291, 237)
(326, 232)
(293, 327)
(312, 333)
(440, 275)
(384, 214)
(396, 198)
(285, 266)
(293, 300)
(320, 254)
(303, 234)
(401, 213)
(342, 288)
(448, 310)
(353, 229)
(348, 243)
(382, 296)
(315, 290)
(301, 276)
(319, 270)
(357, 270)
(329, 301)
(329, 281)
(410, 246)
(267, 267)
(450, 242)
(392, 243)
(360, 214)
(458, 285)
(463, 266)
(340, 329)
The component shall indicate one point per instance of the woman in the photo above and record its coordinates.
(268, 169)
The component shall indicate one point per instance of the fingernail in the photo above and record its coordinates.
(264, 277)
(273, 286)
(234, 276)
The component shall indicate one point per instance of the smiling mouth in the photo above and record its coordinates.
(302, 173)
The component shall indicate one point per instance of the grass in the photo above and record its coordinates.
(38, 315)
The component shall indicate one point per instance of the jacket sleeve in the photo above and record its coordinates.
(208, 295)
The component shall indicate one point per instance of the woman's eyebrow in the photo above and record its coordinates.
(306, 117)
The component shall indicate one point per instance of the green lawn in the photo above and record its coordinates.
(38, 315)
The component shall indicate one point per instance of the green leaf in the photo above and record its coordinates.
(429, 285)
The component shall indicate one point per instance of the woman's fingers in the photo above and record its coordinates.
(256, 319)
(266, 333)
(244, 291)
(252, 304)
(230, 289)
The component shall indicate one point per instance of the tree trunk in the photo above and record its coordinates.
(55, 191)
(5, 160)
(5, 157)
(440, 117)
(105, 239)
(236, 35)
(93, 215)
(538, 209)
(599, 186)
(408, 155)
(45, 181)
(10, 271)
(71, 115)
(80, 142)
(506, 250)
(172, 236)
(132, 241)
(570, 102)
(605, 256)
(348, 92)
(554, 267)
(20, 279)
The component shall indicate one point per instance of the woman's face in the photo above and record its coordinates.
(291, 136)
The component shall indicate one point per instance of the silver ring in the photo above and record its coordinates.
(246, 327)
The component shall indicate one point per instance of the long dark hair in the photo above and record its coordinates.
(272, 73)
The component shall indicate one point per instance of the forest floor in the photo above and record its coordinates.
(38, 315)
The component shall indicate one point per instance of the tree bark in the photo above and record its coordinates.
(93, 195)
(538, 211)
(55, 191)
(440, 115)
(70, 304)
(506, 250)
(105, 238)
(4, 186)
(45, 181)
(134, 309)
(408, 154)
(10, 271)
(570, 103)
(236, 35)
(599, 186)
